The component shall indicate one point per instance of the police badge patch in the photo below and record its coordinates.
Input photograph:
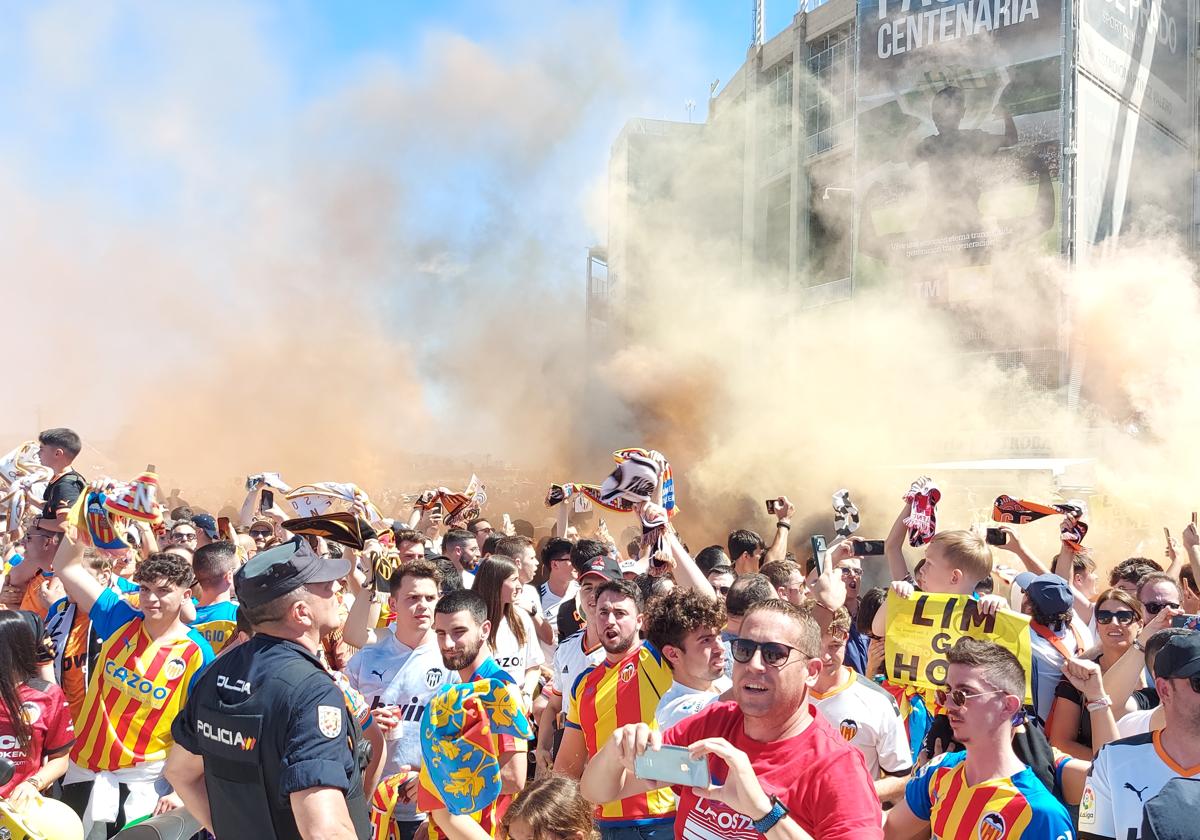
(329, 721)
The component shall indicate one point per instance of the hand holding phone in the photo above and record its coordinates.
(267, 501)
(673, 765)
(996, 536)
(772, 506)
(818, 550)
(868, 548)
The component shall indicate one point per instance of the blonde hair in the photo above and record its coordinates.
(966, 551)
(552, 806)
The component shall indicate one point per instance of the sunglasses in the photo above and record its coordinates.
(1155, 609)
(1122, 617)
(722, 590)
(1194, 682)
(961, 697)
(849, 572)
(774, 654)
(185, 537)
(260, 535)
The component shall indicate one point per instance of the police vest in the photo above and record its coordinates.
(242, 760)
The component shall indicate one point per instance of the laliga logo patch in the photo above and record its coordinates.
(991, 827)
(30, 712)
(848, 728)
(174, 669)
(627, 672)
(329, 721)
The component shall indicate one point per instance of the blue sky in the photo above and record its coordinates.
(158, 160)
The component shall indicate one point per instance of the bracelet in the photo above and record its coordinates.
(1099, 703)
(36, 782)
(782, 524)
(1138, 644)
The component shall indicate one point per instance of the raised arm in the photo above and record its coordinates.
(893, 546)
(687, 573)
(777, 550)
(78, 582)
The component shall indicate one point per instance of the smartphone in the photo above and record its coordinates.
(772, 505)
(1187, 622)
(267, 501)
(868, 548)
(996, 537)
(673, 765)
(222, 527)
(818, 550)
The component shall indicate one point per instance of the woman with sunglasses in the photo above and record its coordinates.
(1119, 619)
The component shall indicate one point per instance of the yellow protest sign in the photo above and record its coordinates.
(923, 628)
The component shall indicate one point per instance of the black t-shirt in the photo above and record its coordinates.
(1065, 690)
(61, 493)
(569, 621)
(1146, 698)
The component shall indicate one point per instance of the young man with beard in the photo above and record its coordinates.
(574, 655)
(399, 674)
(986, 790)
(777, 769)
(686, 627)
(463, 550)
(862, 712)
(624, 689)
(461, 625)
(146, 667)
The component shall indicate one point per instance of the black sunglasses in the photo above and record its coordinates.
(1194, 682)
(1122, 617)
(774, 654)
(1155, 609)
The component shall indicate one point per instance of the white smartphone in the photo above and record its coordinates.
(673, 765)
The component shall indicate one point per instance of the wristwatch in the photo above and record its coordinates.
(778, 811)
(1138, 644)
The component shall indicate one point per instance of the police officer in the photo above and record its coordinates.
(265, 747)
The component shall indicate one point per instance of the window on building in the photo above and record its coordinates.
(829, 92)
(777, 118)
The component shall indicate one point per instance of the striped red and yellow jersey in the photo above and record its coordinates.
(135, 691)
(610, 695)
(1014, 808)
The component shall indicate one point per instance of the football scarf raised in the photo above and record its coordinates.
(845, 514)
(1022, 512)
(634, 480)
(922, 522)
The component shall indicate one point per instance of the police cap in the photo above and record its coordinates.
(282, 569)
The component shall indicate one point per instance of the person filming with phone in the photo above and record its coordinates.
(765, 764)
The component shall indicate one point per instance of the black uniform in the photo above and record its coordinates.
(269, 721)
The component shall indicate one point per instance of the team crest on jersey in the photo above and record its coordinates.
(848, 728)
(433, 677)
(174, 669)
(627, 672)
(30, 712)
(329, 721)
(991, 827)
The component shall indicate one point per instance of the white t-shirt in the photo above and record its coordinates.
(1125, 775)
(571, 659)
(1047, 666)
(550, 603)
(681, 701)
(389, 673)
(868, 718)
(1134, 723)
(515, 658)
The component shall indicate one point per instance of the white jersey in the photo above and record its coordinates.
(514, 657)
(1125, 775)
(550, 604)
(570, 661)
(868, 718)
(1047, 664)
(681, 701)
(389, 673)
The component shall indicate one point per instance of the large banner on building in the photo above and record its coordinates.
(1138, 49)
(1131, 175)
(959, 140)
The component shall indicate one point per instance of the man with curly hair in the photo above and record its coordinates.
(686, 627)
(148, 661)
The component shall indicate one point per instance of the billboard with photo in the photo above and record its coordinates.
(1138, 49)
(1131, 176)
(959, 140)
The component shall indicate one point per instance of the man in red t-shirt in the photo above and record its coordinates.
(777, 768)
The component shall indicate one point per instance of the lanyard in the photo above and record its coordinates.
(1045, 632)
